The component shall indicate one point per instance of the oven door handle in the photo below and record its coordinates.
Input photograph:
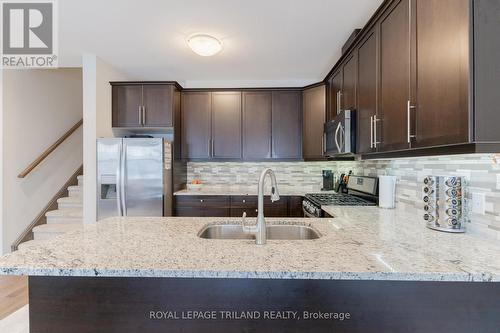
(307, 214)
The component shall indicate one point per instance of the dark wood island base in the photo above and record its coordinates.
(159, 305)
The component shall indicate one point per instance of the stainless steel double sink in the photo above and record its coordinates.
(274, 232)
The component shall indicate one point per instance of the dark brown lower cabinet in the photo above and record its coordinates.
(243, 204)
(202, 205)
(295, 206)
(235, 206)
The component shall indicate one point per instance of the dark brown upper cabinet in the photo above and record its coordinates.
(366, 109)
(157, 104)
(136, 105)
(287, 124)
(126, 105)
(226, 125)
(196, 125)
(348, 92)
(442, 72)
(257, 111)
(334, 91)
(395, 77)
(314, 107)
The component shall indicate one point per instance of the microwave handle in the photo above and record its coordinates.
(336, 137)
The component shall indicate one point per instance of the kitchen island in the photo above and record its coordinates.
(382, 268)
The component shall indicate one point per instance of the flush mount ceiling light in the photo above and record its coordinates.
(204, 45)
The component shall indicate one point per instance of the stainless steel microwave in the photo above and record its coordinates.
(340, 134)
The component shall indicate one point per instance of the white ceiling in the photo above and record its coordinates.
(266, 42)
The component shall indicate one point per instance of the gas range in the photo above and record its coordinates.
(362, 191)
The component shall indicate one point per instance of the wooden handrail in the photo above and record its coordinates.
(49, 150)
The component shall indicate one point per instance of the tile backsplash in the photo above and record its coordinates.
(482, 172)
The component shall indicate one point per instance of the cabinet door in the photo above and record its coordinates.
(195, 124)
(314, 118)
(348, 93)
(276, 209)
(442, 72)
(287, 124)
(295, 207)
(126, 105)
(244, 204)
(226, 124)
(334, 91)
(367, 92)
(157, 101)
(394, 76)
(257, 125)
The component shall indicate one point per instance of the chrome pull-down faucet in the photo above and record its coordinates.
(260, 228)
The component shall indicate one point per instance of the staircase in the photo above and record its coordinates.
(67, 217)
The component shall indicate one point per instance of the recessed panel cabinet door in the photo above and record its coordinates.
(287, 124)
(334, 92)
(226, 125)
(257, 125)
(367, 92)
(442, 72)
(314, 118)
(394, 76)
(157, 101)
(348, 94)
(126, 106)
(195, 122)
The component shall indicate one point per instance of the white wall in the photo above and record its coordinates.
(38, 107)
(97, 122)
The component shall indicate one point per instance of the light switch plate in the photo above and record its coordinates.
(478, 203)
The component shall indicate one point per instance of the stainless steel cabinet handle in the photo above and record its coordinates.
(323, 144)
(338, 102)
(371, 132)
(244, 201)
(201, 200)
(140, 114)
(408, 111)
(375, 142)
(212, 147)
(143, 115)
(209, 148)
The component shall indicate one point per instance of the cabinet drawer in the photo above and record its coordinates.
(202, 206)
(202, 201)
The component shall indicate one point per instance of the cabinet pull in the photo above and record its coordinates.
(244, 201)
(323, 144)
(143, 115)
(409, 107)
(201, 200)
(371, 132)
(212, 141)
(140, 114)
(375, 142)
(338, 102)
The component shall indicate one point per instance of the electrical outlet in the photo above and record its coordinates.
(478, 203)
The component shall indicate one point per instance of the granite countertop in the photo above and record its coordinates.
(249, 190)
(360, 243)
(365, 243)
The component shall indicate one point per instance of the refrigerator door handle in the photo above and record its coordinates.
(123, 175)
(118, 184)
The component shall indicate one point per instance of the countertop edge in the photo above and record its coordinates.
(153, 273)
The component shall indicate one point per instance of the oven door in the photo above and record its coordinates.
(340, 134)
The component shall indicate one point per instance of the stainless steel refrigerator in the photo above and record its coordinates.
(132, 176)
